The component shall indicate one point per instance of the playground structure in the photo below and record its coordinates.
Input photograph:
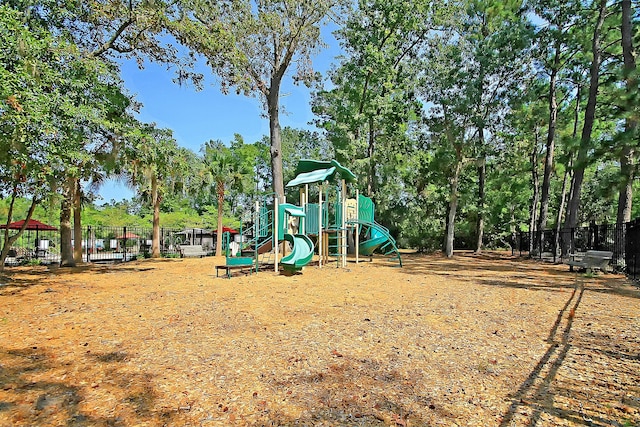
(331, 228)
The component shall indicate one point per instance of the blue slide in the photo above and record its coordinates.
(301, 253)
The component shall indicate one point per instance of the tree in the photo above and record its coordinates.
(373, 100)
(555, 47)
(34, 66)
(252, 45)
(628, 153)
(96, 33)
(518, 165)
(468, 83)
(448, 123)
(589, 119)
(88, 126)
(496, 35)
(221, 169)
(154, 166)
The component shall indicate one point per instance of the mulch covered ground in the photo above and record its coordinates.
(488, 340)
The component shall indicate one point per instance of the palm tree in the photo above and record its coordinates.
(221, 169)
(154, 165)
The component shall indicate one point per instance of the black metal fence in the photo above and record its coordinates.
(558, 245)
(632, 249)
(116, 244)
(106, 244)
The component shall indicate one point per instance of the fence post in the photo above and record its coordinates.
(600, 230)
(520, 242)
(621, 242)
(89, 240)
(540, 243)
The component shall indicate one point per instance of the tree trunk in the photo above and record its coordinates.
(155, 200)
(220, 191)
(589, 119)
(535, 200)
(567, 244)
(481, 164)
(372, 164)
(482, 171)
(453, 187)
(453, 207)
(627, 175)
(627, 156)
(563, 197)
(66, 210)
(77, 222)
(273, 107)
(512, 227)
(551, 136)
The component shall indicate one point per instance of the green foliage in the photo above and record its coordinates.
(32, 66)
(222, 169)
(423, 94)
(251, 46)
(117, 215)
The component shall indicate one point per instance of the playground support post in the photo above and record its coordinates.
(343, 225)
(320, 244)
(256, 234)
(305, 207)
(304, 195)
(357, 248)
(276, 244)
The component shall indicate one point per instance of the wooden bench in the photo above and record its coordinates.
(192, 251)
(236, 263)
(591, 260)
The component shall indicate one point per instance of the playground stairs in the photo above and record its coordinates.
(257, 237)
(265, 253)
(255, 241)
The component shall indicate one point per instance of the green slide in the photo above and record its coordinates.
(368, 247)
(301, 253)
(379, 240)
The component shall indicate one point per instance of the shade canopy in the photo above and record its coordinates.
(226, 229)
(311, 171)
(128, 235)
(32, 224)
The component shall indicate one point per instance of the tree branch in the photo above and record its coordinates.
(110, 44)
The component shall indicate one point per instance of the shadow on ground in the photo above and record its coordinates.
(585, 377)
(517, 272)
(28, 401)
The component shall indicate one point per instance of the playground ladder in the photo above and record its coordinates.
(338, 250)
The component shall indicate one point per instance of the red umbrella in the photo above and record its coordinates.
(128, 235)
(226, 229)
(31, 225)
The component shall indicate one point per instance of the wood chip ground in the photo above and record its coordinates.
(476, 340)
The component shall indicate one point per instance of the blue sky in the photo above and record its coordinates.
(198, 116)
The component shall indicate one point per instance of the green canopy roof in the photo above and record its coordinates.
(312, 171)
(294, 210)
